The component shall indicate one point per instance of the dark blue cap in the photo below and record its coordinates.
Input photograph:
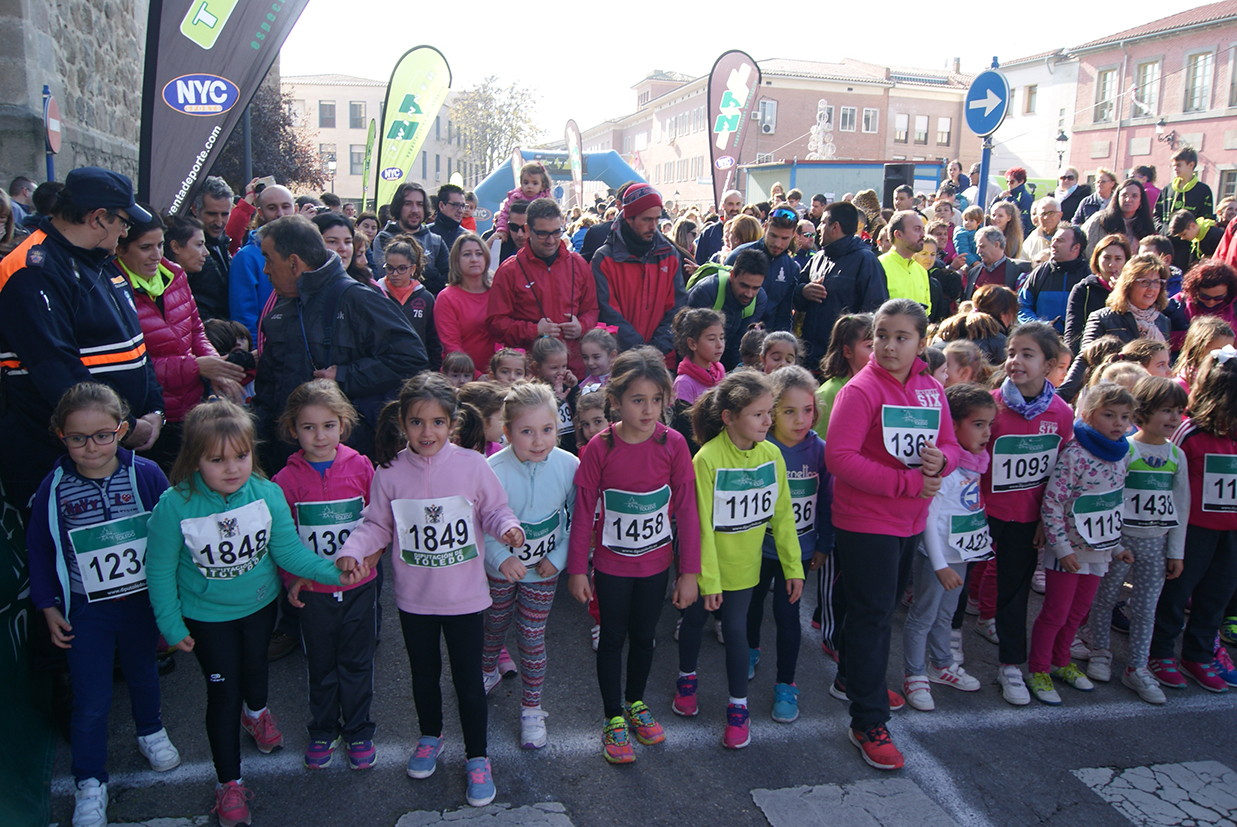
(94, 188)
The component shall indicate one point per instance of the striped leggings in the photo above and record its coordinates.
(529, 605)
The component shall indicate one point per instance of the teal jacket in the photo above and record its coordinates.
(178, 585)
(538, 492)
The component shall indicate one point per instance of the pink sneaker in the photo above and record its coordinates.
(832, 653)
(1165, 671)
(737, 734)
(232, 804)
(1204, 674)
(506, 666)
(685, 697)
(263, 730)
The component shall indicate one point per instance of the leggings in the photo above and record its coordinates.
(785, 618)
(232, 655)
(529, 605)
(1148, 573)
(830, 603)
(1207, 579)
(734, 628)
(337, 630)
(1067, 599)
(463, 634)
(1016, 557)
(925, 635)
(630, 608)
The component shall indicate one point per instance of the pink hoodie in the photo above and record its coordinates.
(517, 194)
(454, 471)
(873, 491)
(350, 475)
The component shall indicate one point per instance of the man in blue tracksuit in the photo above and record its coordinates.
(782, 281)
(744, 302)
(248, 287)
(1045, 294)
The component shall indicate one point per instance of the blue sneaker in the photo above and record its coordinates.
(785, 703)
(424, 758)
(480, 782)
(319, 753)
(1120, 623)
(1223, 664)
(753, 658)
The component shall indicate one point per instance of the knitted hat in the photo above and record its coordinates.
(638, 198)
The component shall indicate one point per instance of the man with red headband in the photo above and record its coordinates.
(639, 274)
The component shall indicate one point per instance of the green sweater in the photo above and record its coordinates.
(207, 555)
(750, 491)
(825, 395)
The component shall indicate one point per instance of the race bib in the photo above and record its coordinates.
(744, 498)
(225, 546)
(566, 425)
(1020, 462)
(325, 526)
(539, 540)
(803, 493)
(1220, 483)
(636, 523)
(111, 557)
(906, 429)
(436, 533)
(1098, 518)
(968, 534)
(1149, 500)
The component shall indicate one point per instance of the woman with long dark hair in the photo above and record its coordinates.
(1127, 213)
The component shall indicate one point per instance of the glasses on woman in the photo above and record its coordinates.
(101, 438)
(1205, 298)
(1143, 284)
(400, 270)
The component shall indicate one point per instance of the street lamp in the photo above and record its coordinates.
(1170, 138)
(1062, 139)
(330, 168)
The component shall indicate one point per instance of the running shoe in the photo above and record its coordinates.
(685, 697)
(424, 758)
(737, 734)
(615, 745)
(987, 630)
(955, 676)
(480, 782)
(972, 606)
(1071, 674)
(1228, 631)
(319, 753)
(490, 680)
(1041, 687)
(1166, 672)
(362, 755)
(232, 804)
(506, 666)
(1144, 683)
(876, 747)
(158, 750)
(785, 703)
(1204, 674)
(642, 722)
(263, 730)
(532, 728)
(918, 693)
(1223, 665)
(1099, 665)
(1013, 688)
(90, 803)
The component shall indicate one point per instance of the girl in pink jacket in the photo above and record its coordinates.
(891, 440)
(534, 184)
(326, 485)
(430, 500)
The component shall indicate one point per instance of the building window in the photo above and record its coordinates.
(438, 128)
(1028, 99)
(921, 129)
(356, 159)
(667, 173)
(944, 131)
(1105, 91)
(849, 114)
(1146, 90)
(298, 110)
(437, 167)
(326, 114)
(1198, 82)
(626, 144)
(764, 157)
(871, 120)
(425, 165)
(356, 115)
(901, 123)
(1228, 183)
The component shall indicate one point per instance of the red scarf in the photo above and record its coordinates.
(708, 378)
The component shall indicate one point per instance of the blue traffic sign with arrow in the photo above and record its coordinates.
(987, 102)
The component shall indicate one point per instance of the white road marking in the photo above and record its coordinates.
(1198, 793)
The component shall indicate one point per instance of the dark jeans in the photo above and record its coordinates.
(232, 655)
(1207, 581)
(100, 629)
(734, 630)
(464, 635)
(630, 608)
(338, 636)
(876, 568)
(1016, 557)
(785, 618)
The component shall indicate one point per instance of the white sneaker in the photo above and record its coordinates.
(158, 750)
(717, 630)
(955, 645)
(1144, 683)
(918, 693)
(1079, 650)
(1013, 688)
(491, 680)
(954, 676)
(972, 607)
(1099, 667)
(987, 630)
(596, 633)
(1037, 581)
(91, 807)
(532, 728)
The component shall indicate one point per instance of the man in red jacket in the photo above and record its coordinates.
(544, 289)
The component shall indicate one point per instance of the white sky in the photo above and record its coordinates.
(583, 58)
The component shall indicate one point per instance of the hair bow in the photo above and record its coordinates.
(612, 329)
(1223, 354)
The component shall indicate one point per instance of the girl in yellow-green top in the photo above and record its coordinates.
(850, 346)
(741, 487)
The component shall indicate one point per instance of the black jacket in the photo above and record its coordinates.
(1101, 323)
(210, 284)
(1088, 296)
(854, 282)
(448, 229)
(373, 348)
(1069, 204)
(704, 294)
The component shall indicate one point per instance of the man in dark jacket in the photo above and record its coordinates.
(409, 206)
(639, 274)
(373, 349)
(993, 266)
(1045, 293)
(712, 237)
(844, 277)
(66, 317)
(744, 291)
(782, 280)
(1070, 192)
(212, 206)
(448, 215)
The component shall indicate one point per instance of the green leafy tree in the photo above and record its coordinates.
(495, 119)
(282, 147)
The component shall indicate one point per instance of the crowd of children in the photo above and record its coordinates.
(901, 470)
